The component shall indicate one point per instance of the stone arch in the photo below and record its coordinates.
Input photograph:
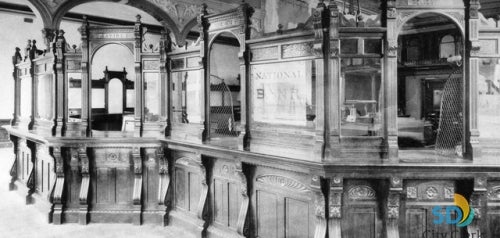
(187, 28)
(455, 18)
(148, 7)
(42, 11)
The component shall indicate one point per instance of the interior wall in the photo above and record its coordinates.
(9, 40)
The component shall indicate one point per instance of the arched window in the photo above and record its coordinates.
(447, 47)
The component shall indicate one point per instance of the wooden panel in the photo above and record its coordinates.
(194, 191)
(361, 222)
(296, 221)
(416, 220)
(267, 214)
(124, 189)
(494, 217)
(218, 194)
(234, 201)
(180, 188)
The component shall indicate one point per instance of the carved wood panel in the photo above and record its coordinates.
(361, 213)
(228, 196)
(420, 197)
(282, 204)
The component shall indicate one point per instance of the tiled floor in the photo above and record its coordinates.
(19, 220)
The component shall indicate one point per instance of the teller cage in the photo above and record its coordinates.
(369, 119)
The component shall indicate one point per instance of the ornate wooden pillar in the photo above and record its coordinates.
(16, 58)
(61, 84)
(472, 50)
(139, 81)
(83, 217)
(320, 20)
(205, 85)
(165, 97)
(86, 80)
(332, 84)
(137, 190)
(390, 82)
(393, 205)
(164, 176)
(57, 191)
(478, 202)
(335, 206)
(320, 207)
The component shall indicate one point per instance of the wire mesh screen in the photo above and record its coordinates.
(450, 132)
(222, 109)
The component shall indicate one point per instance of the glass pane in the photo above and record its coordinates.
(191, 96)
(74, 97)
(489, 98)
(282, 93)
(45, 101)
(152, 91)
(98, 98)
(115, 97)
(361, 97)
(349, 46)
(26, 99)
(373, 46)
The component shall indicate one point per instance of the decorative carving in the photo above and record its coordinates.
(411, 192)
(151, 65)
(494, 193)
(449, 192)
(361, 192)
(297, 50)
(180, 12)
(431, 192)
(319, 206)
(392, 49)
(267, 53)
(245, 202)
(283, 182)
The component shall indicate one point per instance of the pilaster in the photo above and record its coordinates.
(83, 217)
(393, 206)
(335, 206)
(57, 191)
(137, 190)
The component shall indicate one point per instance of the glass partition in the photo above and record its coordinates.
(186, 91)
(284, 93)
(361, 97)
(26, 99)
(74, 97)
(45, 97)
(489, 98)
(152, 91)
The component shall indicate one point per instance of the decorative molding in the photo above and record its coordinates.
(266, 53)
(164, 175)
(151, 65)
(449, 192)
(494, 193)
(361, 192)
(431, 192)
(297, 50)
(319, 207)
(245, 200)
(137, 192)
(180, 12)
(283, 182)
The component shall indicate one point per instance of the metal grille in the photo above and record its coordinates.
(222, 113)
(450, 132)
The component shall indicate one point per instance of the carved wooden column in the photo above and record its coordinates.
(57, 191)
(164, 184)
(14, 172)
(16, 58)
(320, 17)
(332, 85)
(165, 97)
(393, 204)
(139, 84)
(86, 80)
(478, 202)
(205, 85)
(335, 206)
(84, 187)
(390, 82)
(319, 207)
(472, 50)
(61, 91)
(137, 192)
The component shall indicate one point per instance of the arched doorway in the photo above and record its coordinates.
(431, 85)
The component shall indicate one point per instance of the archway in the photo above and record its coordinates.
(431, 84)
(225, 86)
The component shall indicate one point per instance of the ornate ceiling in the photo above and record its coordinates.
(179, 16)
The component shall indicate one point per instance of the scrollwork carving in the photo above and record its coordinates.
(283, 182)
(361, 192)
